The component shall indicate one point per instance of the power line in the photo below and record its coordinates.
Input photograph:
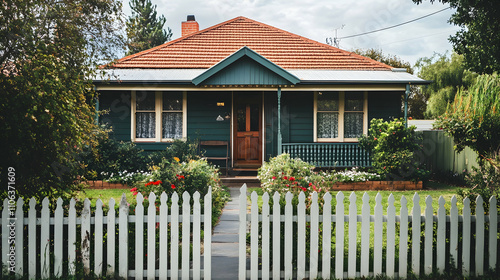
(369, 32)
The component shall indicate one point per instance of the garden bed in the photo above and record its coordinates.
(100, 184)
(378, 186)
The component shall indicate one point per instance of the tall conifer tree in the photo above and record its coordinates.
(145, 28)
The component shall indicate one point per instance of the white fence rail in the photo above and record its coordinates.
(49, 236)
(284, 236)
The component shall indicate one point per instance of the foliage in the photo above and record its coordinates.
(144, 28)
(479, 37)
(184, 150)
(108, 157)
(193, 176)
(283, 174)
(396, 150)
(448, 74)
(48, 56)
(391, 60)
(473, 120)
(417, 102)
(484, 181)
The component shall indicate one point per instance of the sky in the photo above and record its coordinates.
(318, 19)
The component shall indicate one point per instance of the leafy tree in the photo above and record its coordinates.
(144, 28)
(417, 102)
(479, 37)
(49, 51)
(474, 119)
(448, 74)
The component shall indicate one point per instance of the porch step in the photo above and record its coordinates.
(238, 181)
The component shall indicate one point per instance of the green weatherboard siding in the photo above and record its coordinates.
(384, 105)
(117, 106)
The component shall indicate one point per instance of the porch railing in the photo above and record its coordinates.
(329, 154)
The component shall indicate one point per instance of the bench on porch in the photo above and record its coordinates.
(329, 154)
(222, 146)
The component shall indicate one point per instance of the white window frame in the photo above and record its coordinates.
(158, 117)
(341, 112)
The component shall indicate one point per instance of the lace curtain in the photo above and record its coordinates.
(353, 125)
(172, 125)
(328, 125)
(145, 125)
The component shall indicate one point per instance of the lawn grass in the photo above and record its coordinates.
(432, 189)
(105, 195)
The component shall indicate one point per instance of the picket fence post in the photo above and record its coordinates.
(163, 269)
(403, 238)
(151, 268)
(365, 236)
(391, 237)
(123, 238)
(493, 233)
(5, 233)
(428, 236)
(174, 237)
(353, 232)
(327, 235)
(265, 236)
(98, 238)
(45, 239)
(242, 270)
(254, 237)
(207, 222)
(415, 240)
(339, 236)
(301, 237)
(110, 238)
(20, 237)
(186, 232)
(313, 258)
(58, 238)
(377, 233)
(276, 237)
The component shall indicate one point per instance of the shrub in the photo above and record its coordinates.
(180, 149)
(283, 174)
(396, 150)
(108, 157)
(483, 181)
(176, 176)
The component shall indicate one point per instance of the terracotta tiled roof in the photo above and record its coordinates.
(207, 47)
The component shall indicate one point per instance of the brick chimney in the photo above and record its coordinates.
(189, 26)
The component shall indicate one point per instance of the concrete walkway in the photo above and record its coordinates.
(225, 240)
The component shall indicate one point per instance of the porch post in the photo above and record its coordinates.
(407, 94)
(280, 150)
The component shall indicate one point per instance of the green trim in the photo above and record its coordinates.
(245, 51)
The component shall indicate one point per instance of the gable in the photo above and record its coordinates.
(245, 67)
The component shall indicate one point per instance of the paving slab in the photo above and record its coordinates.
(225, 268)
(225, 238)
(230, 215)
(225, 249)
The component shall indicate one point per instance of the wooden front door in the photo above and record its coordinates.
(248, 132)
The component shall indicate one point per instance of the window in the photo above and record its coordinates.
(158, 116)
(340, 116)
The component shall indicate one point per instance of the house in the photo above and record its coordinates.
(262, 90)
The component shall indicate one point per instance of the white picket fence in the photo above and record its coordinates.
(43, 230)
(270, 223)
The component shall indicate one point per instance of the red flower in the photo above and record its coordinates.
(274, 177)
(304, 189)
(173, 186)
(133, 189)
(292, 179)
(287, 185)
(314, 188)
(286, 178)
(135, 193)
(159, 182)
(310, 184)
